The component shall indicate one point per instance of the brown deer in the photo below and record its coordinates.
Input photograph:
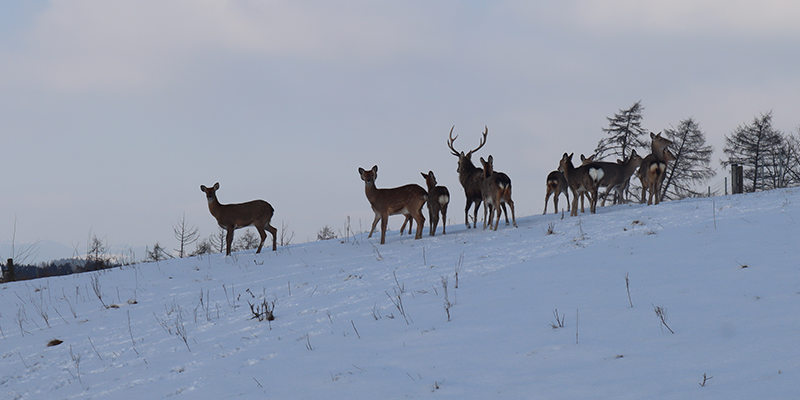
(654, 168)
(496, 191)
(652, 173)
(469, 175)
(407, 200)
(617, 175)
(438, 199)
(256, 213)
(556, 184)
(585, 178)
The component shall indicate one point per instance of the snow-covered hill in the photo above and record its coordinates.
(359, 320)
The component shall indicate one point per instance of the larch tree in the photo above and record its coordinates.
(753, 147)
(625, 133)
(692, 161)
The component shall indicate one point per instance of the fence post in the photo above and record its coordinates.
(10, 276)
(737, 180)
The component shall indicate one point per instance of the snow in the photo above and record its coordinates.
(723, 269)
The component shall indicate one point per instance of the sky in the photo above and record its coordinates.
(112, 114)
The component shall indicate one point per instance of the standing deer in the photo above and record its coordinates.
(496, 191)
(585, 178)
(407, 200)
(438, 199)
(654, 168)
(469, 175)
(617, 175)
(652, 173)
(556, 184)
(257, 213)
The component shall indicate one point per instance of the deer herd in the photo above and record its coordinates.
(481, 185)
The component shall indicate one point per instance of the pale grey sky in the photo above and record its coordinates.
(112, 114)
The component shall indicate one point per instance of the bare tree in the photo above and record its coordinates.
(692, 160)
(185, 234)
(285, 236)
(751, 146)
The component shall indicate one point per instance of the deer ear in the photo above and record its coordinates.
(216, 186)
(490, 160)
(203, 188)
(361, 171)
(653, 135)
(375, 169)
(430, 173)
(423, 175)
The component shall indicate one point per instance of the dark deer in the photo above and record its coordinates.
(654, 168)
(469, 175)
(407, 200)
(617, 175)
(256, 213)
(556, 184)
(496, 191)
(585, 178)
(438, 199)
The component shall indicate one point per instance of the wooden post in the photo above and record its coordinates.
(737, 179)
(10, 276)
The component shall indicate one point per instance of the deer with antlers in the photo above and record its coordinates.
(653, 169)
(256, 213)
(438, 199)
(496, 191)
(407, 200)
(470, 176)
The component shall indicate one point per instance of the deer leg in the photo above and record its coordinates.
(575, 196)
(384, 223)
(229, 239)
(513, 216)
(274, 233)
(566, 193)
(420, 222)
(411, 225)
(486, 209)
(433, 216)
(546, 198)
(444, 219)
(466, 213)
(374, 223)
(263, 235)
(505, 212)
(475, 218)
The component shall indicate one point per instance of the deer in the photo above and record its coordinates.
(617, 175)
(438, 199)
(406, 200)
(256, 213)
(496, 191)
(652, 173)
(470, 176)
(585, 178)
(556, 184)
(654, 167)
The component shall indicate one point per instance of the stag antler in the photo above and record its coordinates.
(452, 139)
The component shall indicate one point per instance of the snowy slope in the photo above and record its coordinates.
(724, 270)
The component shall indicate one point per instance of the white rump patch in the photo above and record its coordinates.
(596, 174)
(444, 199)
